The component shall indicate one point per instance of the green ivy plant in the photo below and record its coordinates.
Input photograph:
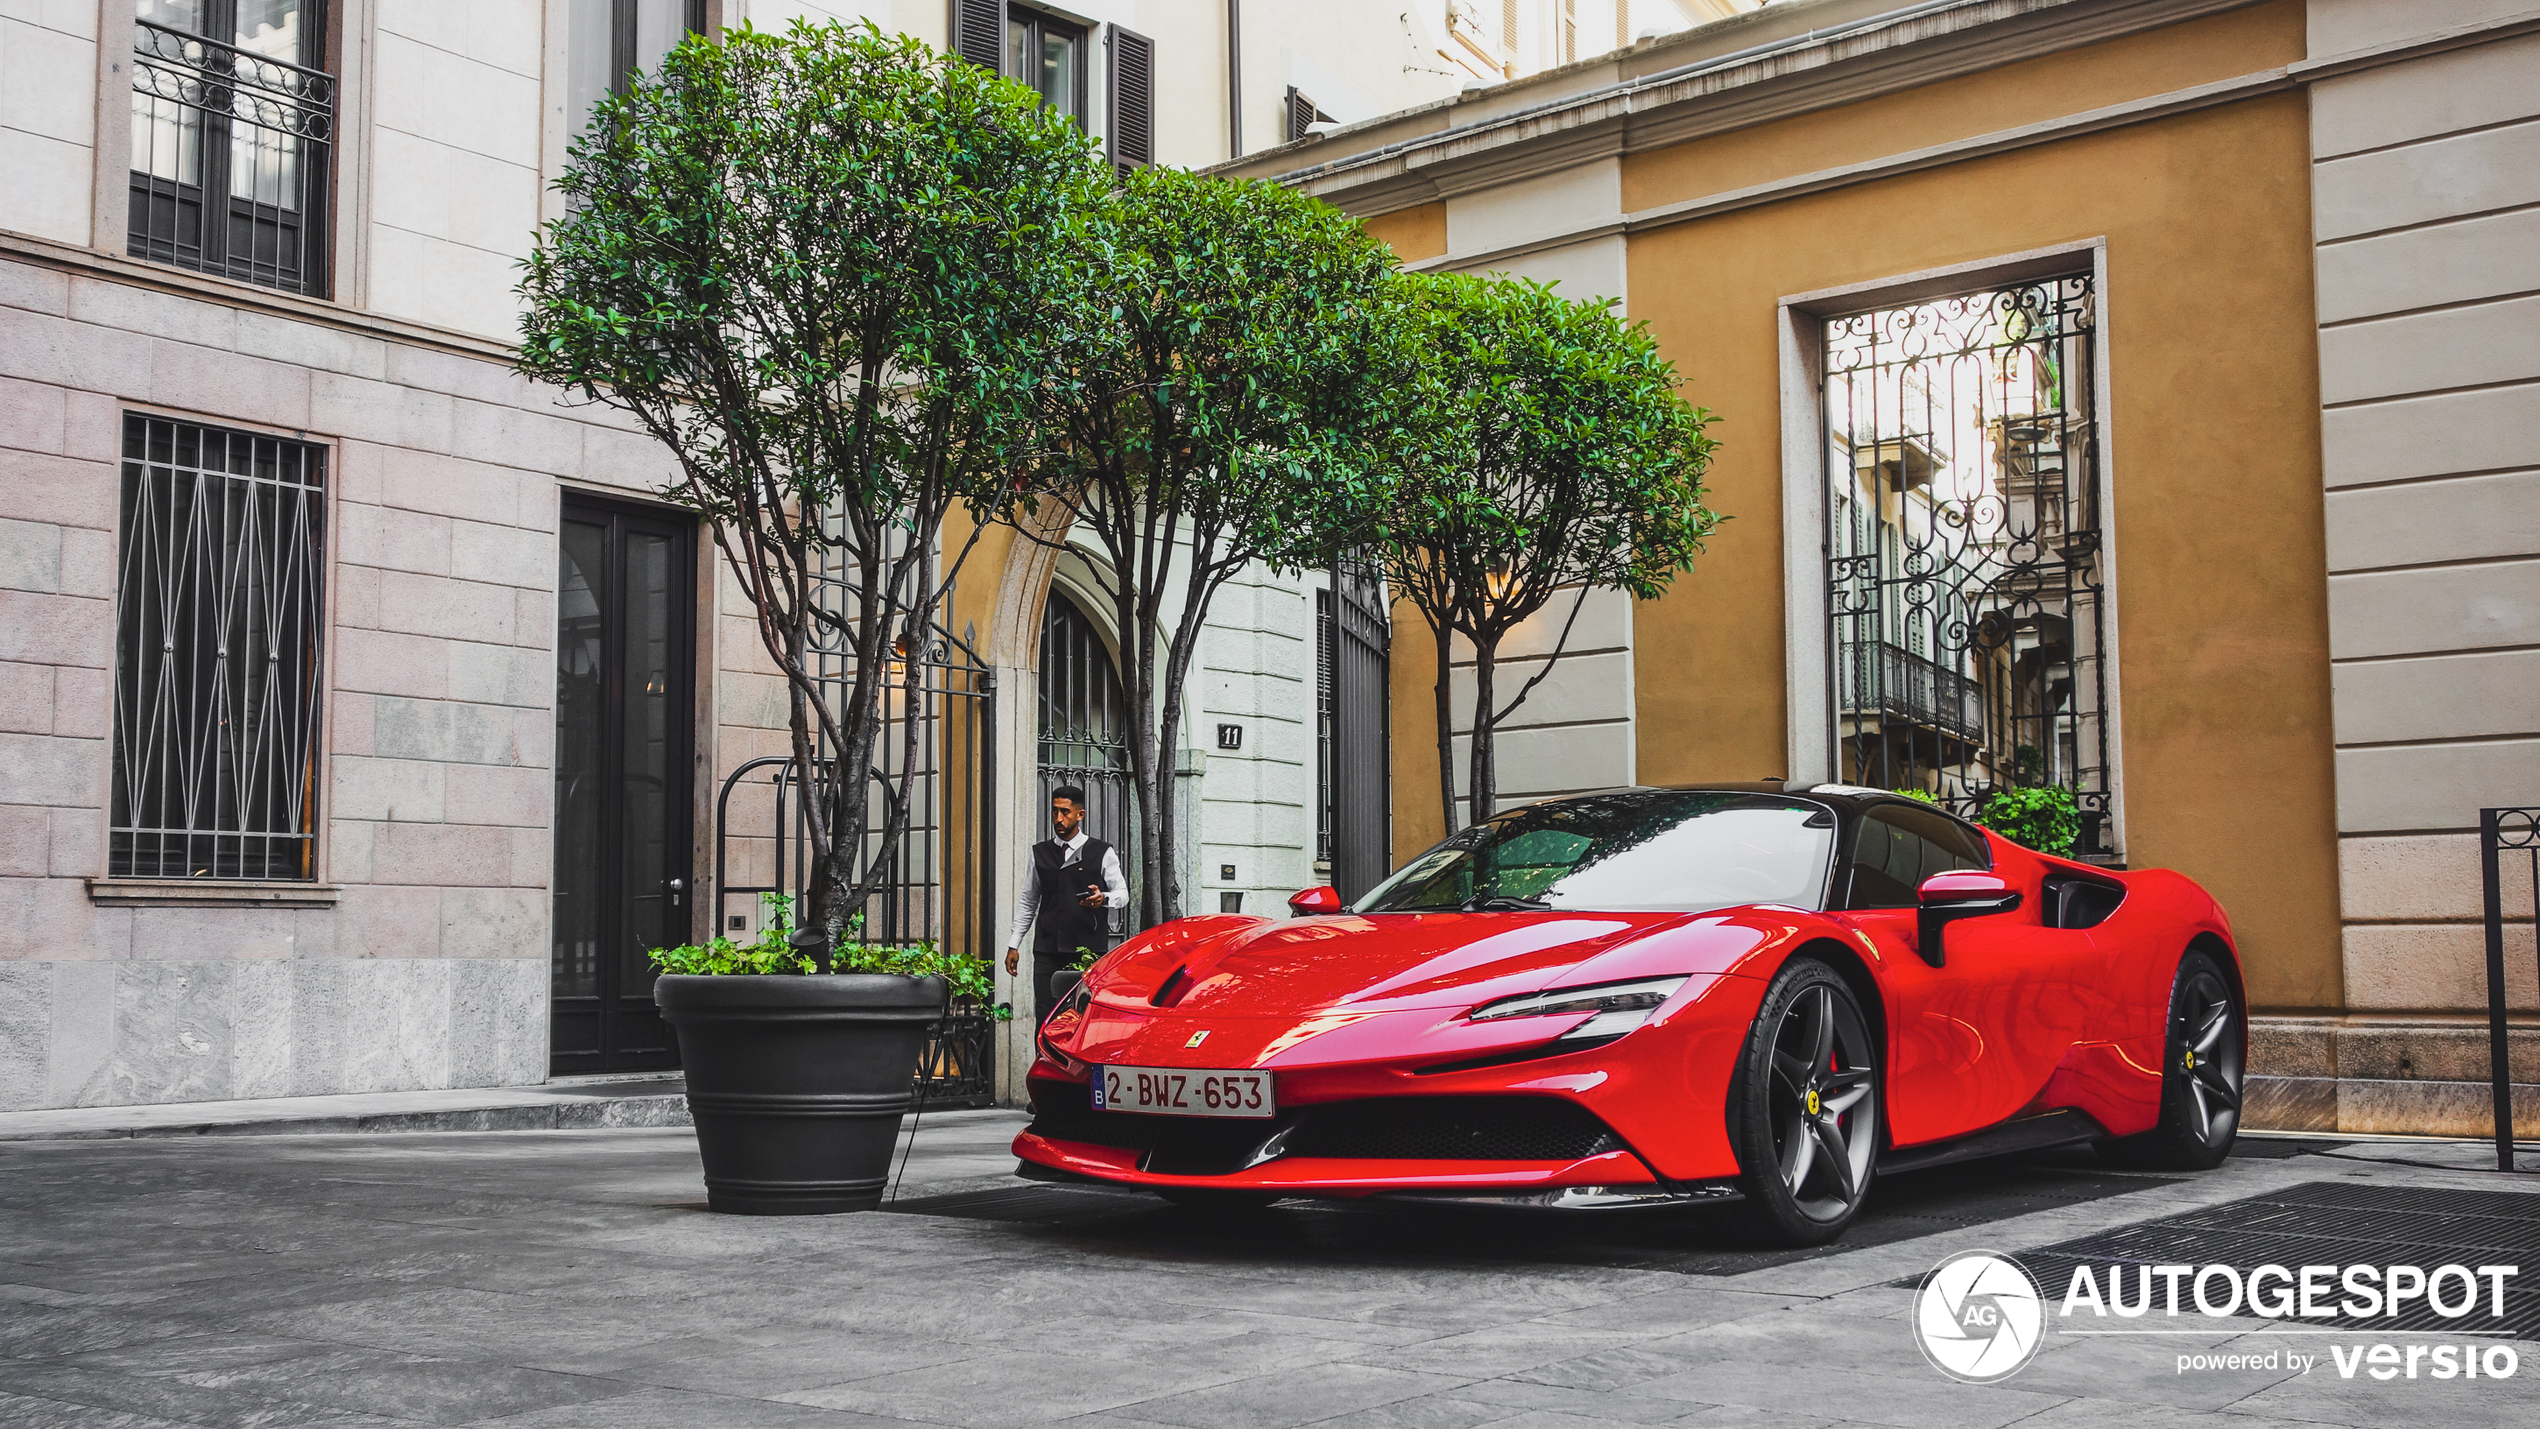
(772, 952)
(2044, 819)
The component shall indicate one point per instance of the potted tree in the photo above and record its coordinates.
(823, 270)
(798, 1074)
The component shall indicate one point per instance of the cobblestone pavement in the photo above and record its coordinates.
(572, 1278)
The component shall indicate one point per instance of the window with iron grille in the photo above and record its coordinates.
(219, 622)
(233, 125)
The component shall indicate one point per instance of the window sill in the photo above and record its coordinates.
(211, 893)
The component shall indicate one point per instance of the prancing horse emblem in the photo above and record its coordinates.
(1196, 1039)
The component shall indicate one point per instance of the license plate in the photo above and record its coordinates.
(1183, 1091)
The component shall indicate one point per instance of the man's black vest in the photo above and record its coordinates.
(1062, 925)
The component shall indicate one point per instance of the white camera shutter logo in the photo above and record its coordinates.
(1979, 1317)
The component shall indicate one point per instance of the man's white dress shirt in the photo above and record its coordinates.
(1115, 885)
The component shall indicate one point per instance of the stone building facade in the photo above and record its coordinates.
(393, 709)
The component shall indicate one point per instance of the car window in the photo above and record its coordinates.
(1897, 848)
(1642, 850)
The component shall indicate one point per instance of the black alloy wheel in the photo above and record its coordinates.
(1805, 1108)
(2203, 1063)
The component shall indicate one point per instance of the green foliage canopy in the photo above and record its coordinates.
(1208, 417)
(1541, 450)
(823, 270)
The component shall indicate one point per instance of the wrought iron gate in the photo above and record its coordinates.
(938, 877)
(1354, 637)
(1965, 571)
(1084, 733)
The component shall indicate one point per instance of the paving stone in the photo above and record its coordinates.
(23, 1411)
(150, 1395)
(1519, 1395)
(1295, 1397)
(569, 1278)
(1820, 1390)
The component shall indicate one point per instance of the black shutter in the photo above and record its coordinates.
(1132, 127)
(978, 33)
(1302, 112)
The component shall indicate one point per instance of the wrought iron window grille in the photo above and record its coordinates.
(1965, 590)
(220, 622)
(230, 158)
(1084, 735)
(1353, 683)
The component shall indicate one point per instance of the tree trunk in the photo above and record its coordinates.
(1485, 780)
(1446, 720)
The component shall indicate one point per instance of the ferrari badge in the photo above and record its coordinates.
(1197, 1038)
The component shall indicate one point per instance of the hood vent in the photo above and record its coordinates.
(1174, 986)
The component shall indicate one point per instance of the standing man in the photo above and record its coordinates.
(1070, 885)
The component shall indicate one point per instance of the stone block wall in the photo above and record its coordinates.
(2424, 136)
(420, 959)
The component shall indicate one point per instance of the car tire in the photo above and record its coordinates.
(2204, 1052)
(1804, 1108)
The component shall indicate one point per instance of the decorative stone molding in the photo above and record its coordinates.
(211, 893)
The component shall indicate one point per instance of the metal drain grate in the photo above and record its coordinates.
(2328, 1223)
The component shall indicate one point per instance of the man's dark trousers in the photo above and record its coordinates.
(1062, 925)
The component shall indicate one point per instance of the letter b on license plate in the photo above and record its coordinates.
(1183, 1091)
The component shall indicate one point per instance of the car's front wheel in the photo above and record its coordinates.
(2202, 1061)
(1806, 1108)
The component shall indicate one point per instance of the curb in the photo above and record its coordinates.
(564, 1113)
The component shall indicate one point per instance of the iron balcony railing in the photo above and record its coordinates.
(230, 151)
(1895, 684)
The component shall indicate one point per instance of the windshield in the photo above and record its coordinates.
(1642, 851)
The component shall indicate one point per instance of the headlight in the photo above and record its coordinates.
(1073, 1007)
(1618, 1006)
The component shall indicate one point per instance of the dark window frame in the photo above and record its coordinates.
(215, 89)
(1037, 23)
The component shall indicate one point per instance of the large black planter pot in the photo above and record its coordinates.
(798, 1083)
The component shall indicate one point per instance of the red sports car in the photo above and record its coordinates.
(1732, 993)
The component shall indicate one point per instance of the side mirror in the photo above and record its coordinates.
(1312, 901)
(1064, 982)
(1959, 893)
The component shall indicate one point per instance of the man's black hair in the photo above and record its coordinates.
(1070, 793)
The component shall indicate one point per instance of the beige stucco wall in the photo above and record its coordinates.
(2219, 583)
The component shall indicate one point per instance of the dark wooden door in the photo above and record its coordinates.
(625, 716)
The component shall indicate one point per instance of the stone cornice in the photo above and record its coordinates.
(2092, 121)
(248, 298)
(1883, 54)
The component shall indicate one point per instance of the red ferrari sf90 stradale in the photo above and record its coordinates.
(1727, 993)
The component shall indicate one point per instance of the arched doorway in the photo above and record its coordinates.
(1084, 732)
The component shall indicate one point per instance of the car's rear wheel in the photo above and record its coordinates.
(2202, 1064)
(1806, 1108)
